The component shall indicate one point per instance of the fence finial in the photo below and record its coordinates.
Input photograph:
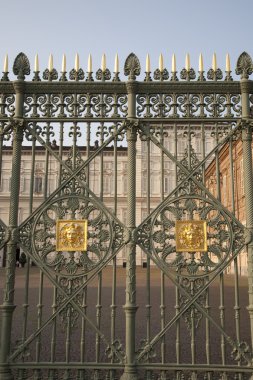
(21, 66)
(50, 63)
(173, 64)
(147, 63)
(116, 63)
(103, 63)
(36, 63)
(77, 65)
(89, 69)
(201, 64)
(161, 66)
(63, 65)
(214, 62)
(228, 67)
(244, 66)
(132, 66)
(187, 62)
(6, 62)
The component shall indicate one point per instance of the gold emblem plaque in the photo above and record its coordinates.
(191, 236)
(71, 235)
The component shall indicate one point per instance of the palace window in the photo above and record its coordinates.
(38, 184)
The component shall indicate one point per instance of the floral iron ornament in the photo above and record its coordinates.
(71, 235)
(186, 247)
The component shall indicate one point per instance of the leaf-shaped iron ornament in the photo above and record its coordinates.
(21, 66)
(244, 66)
(188, 74)
(132, 66)
(214, 74)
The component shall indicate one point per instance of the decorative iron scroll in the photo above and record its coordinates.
(157, 235)
(189, 105)
(7, 105)
(80, 105)
(103, 235)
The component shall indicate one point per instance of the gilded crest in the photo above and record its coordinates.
(71, 235)
(191, 236)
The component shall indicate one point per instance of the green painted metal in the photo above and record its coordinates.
(159, 113)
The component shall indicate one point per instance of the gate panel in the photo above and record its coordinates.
(73, 278)
(195, 276)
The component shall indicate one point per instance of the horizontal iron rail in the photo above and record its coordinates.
(221, 87)
(151, 366)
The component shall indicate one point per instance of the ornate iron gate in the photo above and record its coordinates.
(190, 235)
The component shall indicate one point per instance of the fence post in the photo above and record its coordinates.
(130, 371)
(7, 308)
(247, 125)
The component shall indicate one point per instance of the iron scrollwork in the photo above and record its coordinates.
(192, 315)
(220, 230)
(69, 105)
(189, 105)
(99, 236)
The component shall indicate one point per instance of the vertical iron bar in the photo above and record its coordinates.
(130, 370)
(61, 136)
(176, 150)
(99, 294)
(1, 150)
(162, 164)
(231, 163)
(88, 154)
(47, 161)
(115, 168)
(101, 163)
(177, 305)
(193, 353)
(162, 280)
(222, 319)
(81, 372)
(98, 315)
(248, 181)
(114, 263)
(207, 306)
(68, 333)
(84, 304)
(52, 372)
(203, 150)
(218, 195)
(39, 322)
(7, 308)
(217, 165)
(148, 306)
(237, 303)
(236, 284)
(26, 305)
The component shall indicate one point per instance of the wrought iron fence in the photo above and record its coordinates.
(63, 318)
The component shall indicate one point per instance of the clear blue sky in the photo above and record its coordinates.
(141, 26)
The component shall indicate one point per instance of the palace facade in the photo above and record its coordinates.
(156, 178)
